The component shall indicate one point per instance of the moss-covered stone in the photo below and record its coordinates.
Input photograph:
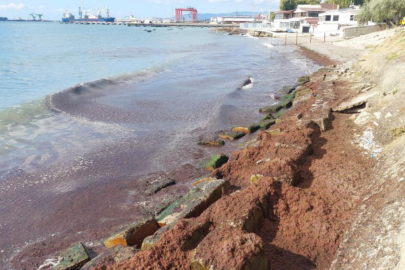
(268, 116)
(266, 124)
(303, 80)
(73, 258)
(111, 256)
(215, 162)
(232, 136)
(212, 143)
(134, 234)
(251, 129)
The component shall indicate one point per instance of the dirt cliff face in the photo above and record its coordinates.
(292, 195)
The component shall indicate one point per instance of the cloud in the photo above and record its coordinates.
(12, 6)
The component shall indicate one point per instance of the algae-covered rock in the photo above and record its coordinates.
(73, 258)
(303, 80)
(159, 184)
(134, 234)
(271, 109)
(112, 256)
(212, 143)
(232, 136)
(251, 129)
(268, 116)
(266, 124)
(194, 202)
(215, 162)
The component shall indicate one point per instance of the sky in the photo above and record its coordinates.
(53, 9)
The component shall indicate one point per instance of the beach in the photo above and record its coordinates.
(75, 158)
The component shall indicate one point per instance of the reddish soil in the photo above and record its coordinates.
(294, 216)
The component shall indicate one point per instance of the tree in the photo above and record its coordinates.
(346, 3)
(292, 4)
(382, 11)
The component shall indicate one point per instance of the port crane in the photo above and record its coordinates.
(34, 16)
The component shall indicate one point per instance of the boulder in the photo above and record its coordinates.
(73, 258)
(251, 129)
(303, 80)
(232, 136)
(199, 198)
(215, 162)
(354, 102)
(266, 124)
(134, 234)
(112, 256)
(230, 248)
(212, 143)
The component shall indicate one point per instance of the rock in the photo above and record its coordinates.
(204, 180)
(274, 132)
(199, 198)
(269, 116)
(303, 80)
(232, 136)
(134, 234)
(212, 143)
(229, 248)
(266, 124)
(151, 240)
(254, 179)
(247, 130)
(73, 258)
(281, 169)
(354, 102)
(112, 256)
(215, 162)
(158, 185)
(166, 200)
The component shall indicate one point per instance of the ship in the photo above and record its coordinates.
(87, 16)
(3, 19)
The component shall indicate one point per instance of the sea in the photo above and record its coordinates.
(88, 111)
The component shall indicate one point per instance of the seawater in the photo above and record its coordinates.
(85, 110)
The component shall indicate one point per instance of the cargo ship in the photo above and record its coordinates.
(3, 19)
(87, 16)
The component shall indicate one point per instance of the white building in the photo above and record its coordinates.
(300, 20)
(331, 22)
(232, 20)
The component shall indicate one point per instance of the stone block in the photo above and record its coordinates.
(111, 256)
(216, 162)
(134, 234)
(73, 258)
(159, 184)
(217, 143)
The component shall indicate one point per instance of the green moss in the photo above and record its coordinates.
(392, 56)
(216, 161)
(303, 80)
(398, 132)
(212, 143)
(266, 124)
(280, 113)
(395, 91)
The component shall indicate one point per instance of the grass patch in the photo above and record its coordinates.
(398, 132)
(392, 56)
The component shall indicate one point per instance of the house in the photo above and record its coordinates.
(333, 21)
(301, 19)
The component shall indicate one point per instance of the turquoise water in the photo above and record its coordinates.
(40, 59)
(87, 110)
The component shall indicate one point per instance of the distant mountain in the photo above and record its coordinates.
(207, 16)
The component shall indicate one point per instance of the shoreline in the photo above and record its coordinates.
(54, 244)
(315, 57)
(293, 194)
